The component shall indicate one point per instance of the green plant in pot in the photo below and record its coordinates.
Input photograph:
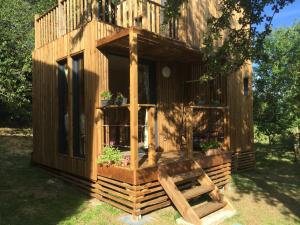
(120, 99)
(106, 98)
(110, 156)
(204, 146)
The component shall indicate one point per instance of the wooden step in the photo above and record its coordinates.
(203, 210)
(187, 176)
(197, 191)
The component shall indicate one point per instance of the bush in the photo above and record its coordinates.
(111, 155)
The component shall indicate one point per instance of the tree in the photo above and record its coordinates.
(16, 44)
(241, 42)
(277, 83)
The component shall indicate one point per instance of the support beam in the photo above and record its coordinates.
(37, 31)
(189, 132)
(95, 9)
(133, 55)
(151, 137)
(226, 129)
(61, 19)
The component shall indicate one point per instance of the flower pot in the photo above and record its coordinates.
(124, 101)
(200, 102)
(105, 103)
(121, 101)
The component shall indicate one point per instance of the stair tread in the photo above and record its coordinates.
(197, 191)
(208, 208)
(186, 175)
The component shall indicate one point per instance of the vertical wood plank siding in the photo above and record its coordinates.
(45, 98)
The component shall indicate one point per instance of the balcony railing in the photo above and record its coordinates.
(69, 15)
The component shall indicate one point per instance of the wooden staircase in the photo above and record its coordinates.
(192, 192)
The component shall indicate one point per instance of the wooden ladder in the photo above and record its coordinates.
(186, 187)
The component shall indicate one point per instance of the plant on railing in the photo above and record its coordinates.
(120, 99)
(106, 98)
(209, 145)
(110, 156)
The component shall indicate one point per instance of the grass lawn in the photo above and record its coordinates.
(30, 196)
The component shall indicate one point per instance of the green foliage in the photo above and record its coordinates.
(277, 82)
(106, 95)
(242, 41)
(110, 155)
(16, 44)
(209, 145)
(119, 96)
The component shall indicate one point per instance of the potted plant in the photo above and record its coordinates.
(110, 156)
(210, 147)
(120, 99)
(106, 98)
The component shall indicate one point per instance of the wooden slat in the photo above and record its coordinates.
(177, 198)
(151, 137)
(197, 191)
(133, 99)
(206, 209)
(187, 176)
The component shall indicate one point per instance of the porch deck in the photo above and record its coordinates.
(139, 192)
(176, 161)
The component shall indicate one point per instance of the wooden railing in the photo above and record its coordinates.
(69, 15)
(220, 117)
(66, 16)
(118, 135)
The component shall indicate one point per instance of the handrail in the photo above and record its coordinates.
(69, 15)
(44, 14)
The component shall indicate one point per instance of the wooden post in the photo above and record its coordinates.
(151, 137)
(133, 55)
(144, 14)
(95, 9)
(189, 132)
(226, 129)
(37, 31)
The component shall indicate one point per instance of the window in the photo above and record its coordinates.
(63, 107)
(78, 105)
(246, 86)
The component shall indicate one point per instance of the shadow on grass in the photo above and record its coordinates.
(28, 195)
(276, 180)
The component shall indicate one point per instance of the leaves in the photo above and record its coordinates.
(237, 27)
(16, 44)
(110, 155)
(277, 82)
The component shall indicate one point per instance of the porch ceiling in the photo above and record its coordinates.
(150, 46)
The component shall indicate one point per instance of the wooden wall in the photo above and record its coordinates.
(170, 106)
(169, 93)
(192, 27)
(45, 97)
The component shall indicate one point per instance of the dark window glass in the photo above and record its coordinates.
(78, 106)
(63, 105)
(246, 86)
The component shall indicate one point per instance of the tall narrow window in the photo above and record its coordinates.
(246, 86)
(63, 106)
(78, 106)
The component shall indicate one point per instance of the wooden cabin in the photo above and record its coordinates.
(86, 47)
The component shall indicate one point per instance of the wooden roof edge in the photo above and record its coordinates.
(172, 41)
(125, 32)
(112, 38)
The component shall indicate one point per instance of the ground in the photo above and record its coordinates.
(30, 196)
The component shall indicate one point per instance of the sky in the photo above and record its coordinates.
(287, 16)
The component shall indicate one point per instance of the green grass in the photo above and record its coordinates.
(30, 196)
(270, 194)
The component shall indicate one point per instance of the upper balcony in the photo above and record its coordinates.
(69, 15)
